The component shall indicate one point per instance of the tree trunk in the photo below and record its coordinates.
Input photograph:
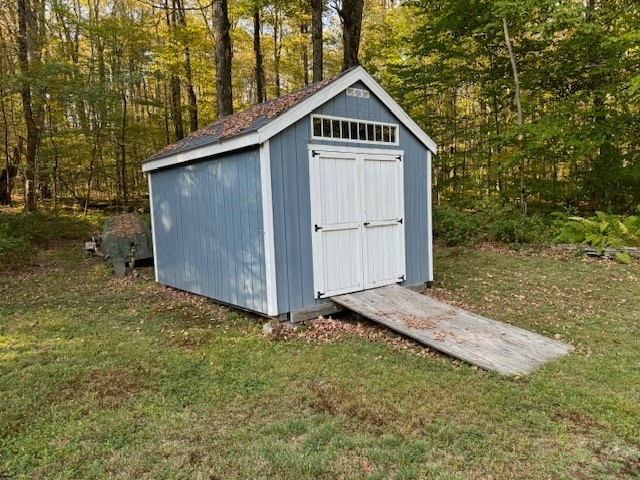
(261, 94)
(516, 80)
(304, 31)
(176, 107)
(33, 114)
(9, 173)
(191, 93)
(351, 17)
(277, 47)
(188, 76)
(174, 82)
(123, 150)
(317, 6)
(222, 38)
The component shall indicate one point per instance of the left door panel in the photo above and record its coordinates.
(337, 246)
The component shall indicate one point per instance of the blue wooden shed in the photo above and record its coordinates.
(275, 209)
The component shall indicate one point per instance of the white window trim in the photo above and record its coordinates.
(351, 140)
(353, 150)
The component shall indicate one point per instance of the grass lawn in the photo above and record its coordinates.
(121, 378)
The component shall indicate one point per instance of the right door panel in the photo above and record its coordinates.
(383, 220)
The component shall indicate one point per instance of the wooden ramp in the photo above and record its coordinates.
(480, 341)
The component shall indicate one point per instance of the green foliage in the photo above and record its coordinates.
(22, 234)
(600, 231)
(12, 248)
(491, 219)
(454, 227)
(579, 78)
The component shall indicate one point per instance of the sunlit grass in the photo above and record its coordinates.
(108, 378)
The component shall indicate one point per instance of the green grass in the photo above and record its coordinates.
(108, 378)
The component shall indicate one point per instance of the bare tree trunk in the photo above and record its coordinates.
(277, 47)
(351, 17)
(317, 6)
(516, 80)
(304, 30)
(221, 27)
(261, 93)
(28, 31)
(10, 170)
(188, 76)
(123, 151)
(56, 164)
(176, 107)
(174, 82)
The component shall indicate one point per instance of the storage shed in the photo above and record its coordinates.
(275, 209)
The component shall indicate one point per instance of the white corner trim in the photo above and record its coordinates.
(429, 219)
(268, 228)
(204, 151)
(153, 228)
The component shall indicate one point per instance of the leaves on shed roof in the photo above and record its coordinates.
(243, 122)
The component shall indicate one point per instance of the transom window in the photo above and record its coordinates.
(351, 130)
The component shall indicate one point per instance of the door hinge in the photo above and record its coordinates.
(399, 157)
(320, 294)
(314, 153)
(401, 278)
(317, 227)
(400, 220)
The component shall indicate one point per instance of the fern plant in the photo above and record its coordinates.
(600, 231)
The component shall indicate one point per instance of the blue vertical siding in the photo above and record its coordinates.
(208, 229)
(292, 203)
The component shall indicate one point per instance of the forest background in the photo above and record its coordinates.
(532, 102)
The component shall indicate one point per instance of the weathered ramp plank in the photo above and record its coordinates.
(477, 340)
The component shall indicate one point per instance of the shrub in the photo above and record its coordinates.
(492, 219)
(518, 229)
(502, 222)
(453, 227)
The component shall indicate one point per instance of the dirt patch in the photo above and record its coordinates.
(108, 388)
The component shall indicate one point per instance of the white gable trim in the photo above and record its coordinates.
(297, 112)
(336, 87)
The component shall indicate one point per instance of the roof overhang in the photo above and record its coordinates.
(295, 113)
(204, 151)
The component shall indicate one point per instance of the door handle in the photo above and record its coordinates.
(366, 224)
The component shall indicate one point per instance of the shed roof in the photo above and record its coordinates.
(260, 122)
(242, 122)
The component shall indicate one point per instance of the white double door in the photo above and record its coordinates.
(357, 219)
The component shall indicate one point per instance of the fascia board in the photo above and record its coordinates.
(203, 151)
